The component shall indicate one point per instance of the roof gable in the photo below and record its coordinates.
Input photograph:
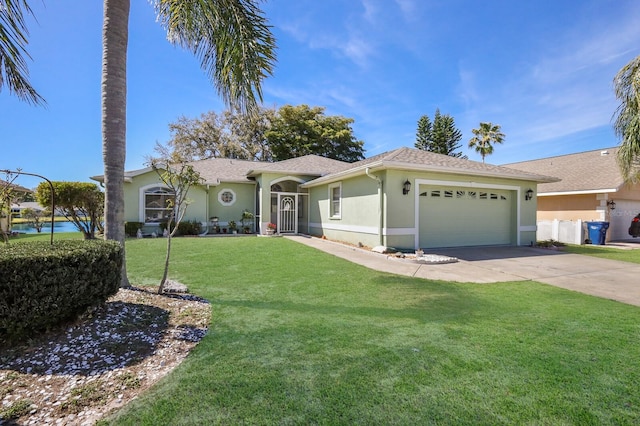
(590, 171)
(309, 165)
(419, 160)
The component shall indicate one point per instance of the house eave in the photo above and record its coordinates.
(384, 165)
(583, 192)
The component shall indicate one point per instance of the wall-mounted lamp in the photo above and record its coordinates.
(406, 187)
(528, 195)
(611, 204)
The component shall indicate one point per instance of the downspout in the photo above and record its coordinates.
(380, 205)
(206, 208)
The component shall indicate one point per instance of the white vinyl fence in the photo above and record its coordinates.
(565, 231)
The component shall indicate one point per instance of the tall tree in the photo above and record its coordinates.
(13, 50)
(235, 47)
(626, 86)
(441, 136)
(226, 135)
(484, 137)
(302, 130)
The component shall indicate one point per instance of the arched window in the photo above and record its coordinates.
(157, 204)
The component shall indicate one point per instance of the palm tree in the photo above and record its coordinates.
(230, 37)
(483, 138)
(626, 86)
(13, 41)
(235, 47)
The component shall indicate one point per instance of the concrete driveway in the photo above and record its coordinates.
(609, 279)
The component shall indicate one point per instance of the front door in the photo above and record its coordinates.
(287, 213)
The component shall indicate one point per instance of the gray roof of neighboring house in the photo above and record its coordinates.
(584, 172)
(419, 160)
(4, 184)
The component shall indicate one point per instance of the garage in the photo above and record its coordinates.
(453, 216)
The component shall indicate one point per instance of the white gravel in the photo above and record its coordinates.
(75, 376)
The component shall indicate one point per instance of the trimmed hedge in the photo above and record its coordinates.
(131, 228)
(44, 285)
(185, 227)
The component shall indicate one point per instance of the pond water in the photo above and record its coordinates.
(57, 227)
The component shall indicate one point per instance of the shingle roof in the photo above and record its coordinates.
(590, 171)
(224, 169)
(214, 170)
(416, 159)
(5, 184)
(308, 165)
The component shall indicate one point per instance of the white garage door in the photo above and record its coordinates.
(456, 216)
(620, 219)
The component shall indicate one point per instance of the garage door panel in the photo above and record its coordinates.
(451, 216)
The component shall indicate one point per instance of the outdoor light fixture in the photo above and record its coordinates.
(528, 195)
(611, 204)
(406, 187)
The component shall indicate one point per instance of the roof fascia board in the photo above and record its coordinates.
(421, 168)
(586, 192)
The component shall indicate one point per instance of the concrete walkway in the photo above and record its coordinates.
(609, 279)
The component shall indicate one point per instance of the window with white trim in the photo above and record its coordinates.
(227, 197)
(335, 201)
(157, 204)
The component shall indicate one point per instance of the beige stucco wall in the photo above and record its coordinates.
(593, 207)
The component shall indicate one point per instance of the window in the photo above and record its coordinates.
(157, 201)
(226, 197)
(335, 201)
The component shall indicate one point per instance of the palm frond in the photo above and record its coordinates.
(13, 41)
(627, 119)
(232, 40)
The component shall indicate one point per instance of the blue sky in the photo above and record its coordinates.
(541, 69)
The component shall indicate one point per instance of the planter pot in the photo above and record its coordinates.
(269, 231)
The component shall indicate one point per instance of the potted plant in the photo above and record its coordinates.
(271, 228)
(233, 227)
(245, 220)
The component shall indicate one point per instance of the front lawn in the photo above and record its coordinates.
(606, 252)
(301, 337)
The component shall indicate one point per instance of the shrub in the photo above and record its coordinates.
(189, 228)
(131, 228)
(184, 228)
(44, 285)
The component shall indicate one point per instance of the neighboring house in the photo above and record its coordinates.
(591, 189)
(406, 198)
(16, 209)
(7, 190)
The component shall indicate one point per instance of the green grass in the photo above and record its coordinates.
(46, 236)
(606, 252)
(301, 337)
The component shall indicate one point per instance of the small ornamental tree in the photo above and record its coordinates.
(80, 202)
(178, 178)
(9, 194)
(35, 217)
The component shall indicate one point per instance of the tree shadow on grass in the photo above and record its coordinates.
(116, 335)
